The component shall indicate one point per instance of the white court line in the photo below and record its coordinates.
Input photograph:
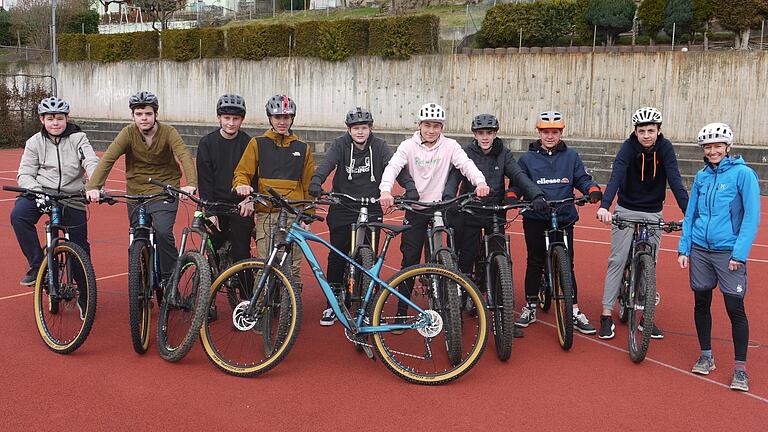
(8, 172)
(31, 292)
(661, 363)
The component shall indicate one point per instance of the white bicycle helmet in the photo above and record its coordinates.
(715, 133)
(53, 105)
(432, 112)
(646, 115)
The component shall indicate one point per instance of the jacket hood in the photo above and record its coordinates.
(496, 147)
(727, 163)
(536, 146)
(281, 140)
(69, 130)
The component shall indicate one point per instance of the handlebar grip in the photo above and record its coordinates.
(15, 189)
(156, 182)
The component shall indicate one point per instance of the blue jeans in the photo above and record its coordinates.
(25, 216)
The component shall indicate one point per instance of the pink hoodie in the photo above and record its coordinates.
(429, 167)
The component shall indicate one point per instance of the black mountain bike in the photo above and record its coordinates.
(493, 272)
(65, 283)
(558, 277)
(637, 294)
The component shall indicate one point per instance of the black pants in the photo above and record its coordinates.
(411, 245)
(537, 254)
(237, 230)
(739, 323)
(161, 215)
(467, 233)
(341, 239)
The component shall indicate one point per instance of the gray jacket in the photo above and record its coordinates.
(57, 163)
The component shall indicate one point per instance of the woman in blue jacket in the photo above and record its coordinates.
(718, 230)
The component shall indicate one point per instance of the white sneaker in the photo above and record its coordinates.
(329, 317)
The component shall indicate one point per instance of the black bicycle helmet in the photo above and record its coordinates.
(143, 98)
(280, 104)
(230, 104)
(485, 121)
(358, 116)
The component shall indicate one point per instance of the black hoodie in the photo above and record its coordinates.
(358, 173)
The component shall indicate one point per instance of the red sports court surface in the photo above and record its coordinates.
(325, 384)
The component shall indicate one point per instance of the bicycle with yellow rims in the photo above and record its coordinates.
(65, 286)
(238, 346)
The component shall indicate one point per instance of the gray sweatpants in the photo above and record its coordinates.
(621, 241)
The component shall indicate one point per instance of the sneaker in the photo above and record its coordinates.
(581, 323)
(656, 332)
(704, 365)
(329, 317)
(606, 328)
(82, 304)
(740, 381)
(527, 316)
(28, 279)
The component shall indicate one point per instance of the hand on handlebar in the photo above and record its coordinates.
(93, 195)
(482, 190)
(188, 189)
(315, 189)
(604, 216)
(243, 190)
(539, 204)
(386, 200)
(246, 207)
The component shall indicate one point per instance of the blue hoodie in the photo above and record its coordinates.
(724, 209)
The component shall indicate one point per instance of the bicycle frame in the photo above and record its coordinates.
(297, 235)
(144, 226)
(436, 233)
(549, 245)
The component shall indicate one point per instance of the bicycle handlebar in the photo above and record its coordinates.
(56, 196)
(667, 226)
(282, 202)
(362, 200)
(407, 204)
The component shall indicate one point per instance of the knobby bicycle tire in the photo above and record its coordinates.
(76, 265)
(357, 282)
(504, 305)
(192, 305)
(385, 343)
(222, 334)
(451, 303)
(277, 303)
(139, 288)
(562, 278)
(645, 296)
(545, 296)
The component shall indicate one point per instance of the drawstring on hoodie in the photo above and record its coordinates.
(642, 168)
(352, 161)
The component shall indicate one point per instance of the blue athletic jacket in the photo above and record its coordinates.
(724, 209)
(557, 172)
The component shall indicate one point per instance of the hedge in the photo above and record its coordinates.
(543, 23)
(395, 37)
(402, 37)
(123, 46)
(183, 45)
(255, 42)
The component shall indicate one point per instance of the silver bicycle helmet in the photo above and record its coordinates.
(280, 104)
(142, 99)
(53, 105)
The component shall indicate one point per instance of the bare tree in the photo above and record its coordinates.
(32, 18)
(160, 10)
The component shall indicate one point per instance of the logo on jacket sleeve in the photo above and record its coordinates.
(297, 154)
(546, 181)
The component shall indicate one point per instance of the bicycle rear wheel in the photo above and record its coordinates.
(357, 283)
(504, 306)
(562, 279)
(139, 293)
(448, 305)
(58, 319)
(184, 306)
(644, 302)
(413, 355)
(237, 344)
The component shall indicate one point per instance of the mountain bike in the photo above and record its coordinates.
(237, 346)
(65, 287)
(637, 294)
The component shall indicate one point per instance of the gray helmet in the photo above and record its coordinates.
(358, 116)
(485, 121)
(53, 105)
(230, 104)
(143, 98)
(280, 104)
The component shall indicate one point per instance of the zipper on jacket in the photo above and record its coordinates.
(58, 158)
(710, 202)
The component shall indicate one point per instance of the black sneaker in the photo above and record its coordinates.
(656, 332)
(28, 279)
(606, 328)
(328, 318)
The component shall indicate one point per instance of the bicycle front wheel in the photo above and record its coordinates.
(644, 303)
(623, 297)
(357, 283)
(139, 293)
(562, 278)
(60, 322)
(184, 306)
(504, 306)
(250, 344)
(448, 305)
(413, 355)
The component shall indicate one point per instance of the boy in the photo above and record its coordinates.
(55, 159)
(559, 170)
(279, 159)
(720, 225)
(151, 149)
(359, 158)
(646, 162)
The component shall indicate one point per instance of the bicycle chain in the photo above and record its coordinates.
(356, 342)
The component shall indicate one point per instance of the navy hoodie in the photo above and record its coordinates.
(640, 176)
